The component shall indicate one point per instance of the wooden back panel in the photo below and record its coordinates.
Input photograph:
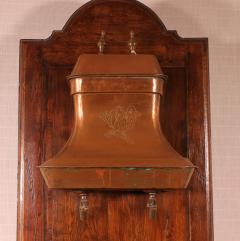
(46, 118)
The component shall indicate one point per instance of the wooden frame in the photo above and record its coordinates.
(45, 121)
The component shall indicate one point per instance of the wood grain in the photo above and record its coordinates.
(46, 117)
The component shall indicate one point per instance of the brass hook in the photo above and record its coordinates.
(132, 44)
(83, 206)
(101, 43)
(152, 205)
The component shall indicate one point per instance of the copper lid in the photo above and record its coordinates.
(111, 73)
(117, 65)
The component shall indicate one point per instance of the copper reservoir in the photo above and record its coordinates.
(117, 141)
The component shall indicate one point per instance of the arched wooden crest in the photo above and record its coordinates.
(46, 117)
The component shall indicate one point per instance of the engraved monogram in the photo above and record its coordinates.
(120, 120)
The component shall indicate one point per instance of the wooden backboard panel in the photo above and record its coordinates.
(46, 118)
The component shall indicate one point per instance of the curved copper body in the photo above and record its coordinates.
(117, 141)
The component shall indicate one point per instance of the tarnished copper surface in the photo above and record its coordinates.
(117, 141)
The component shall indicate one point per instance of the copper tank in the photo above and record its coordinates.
(117, 141)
